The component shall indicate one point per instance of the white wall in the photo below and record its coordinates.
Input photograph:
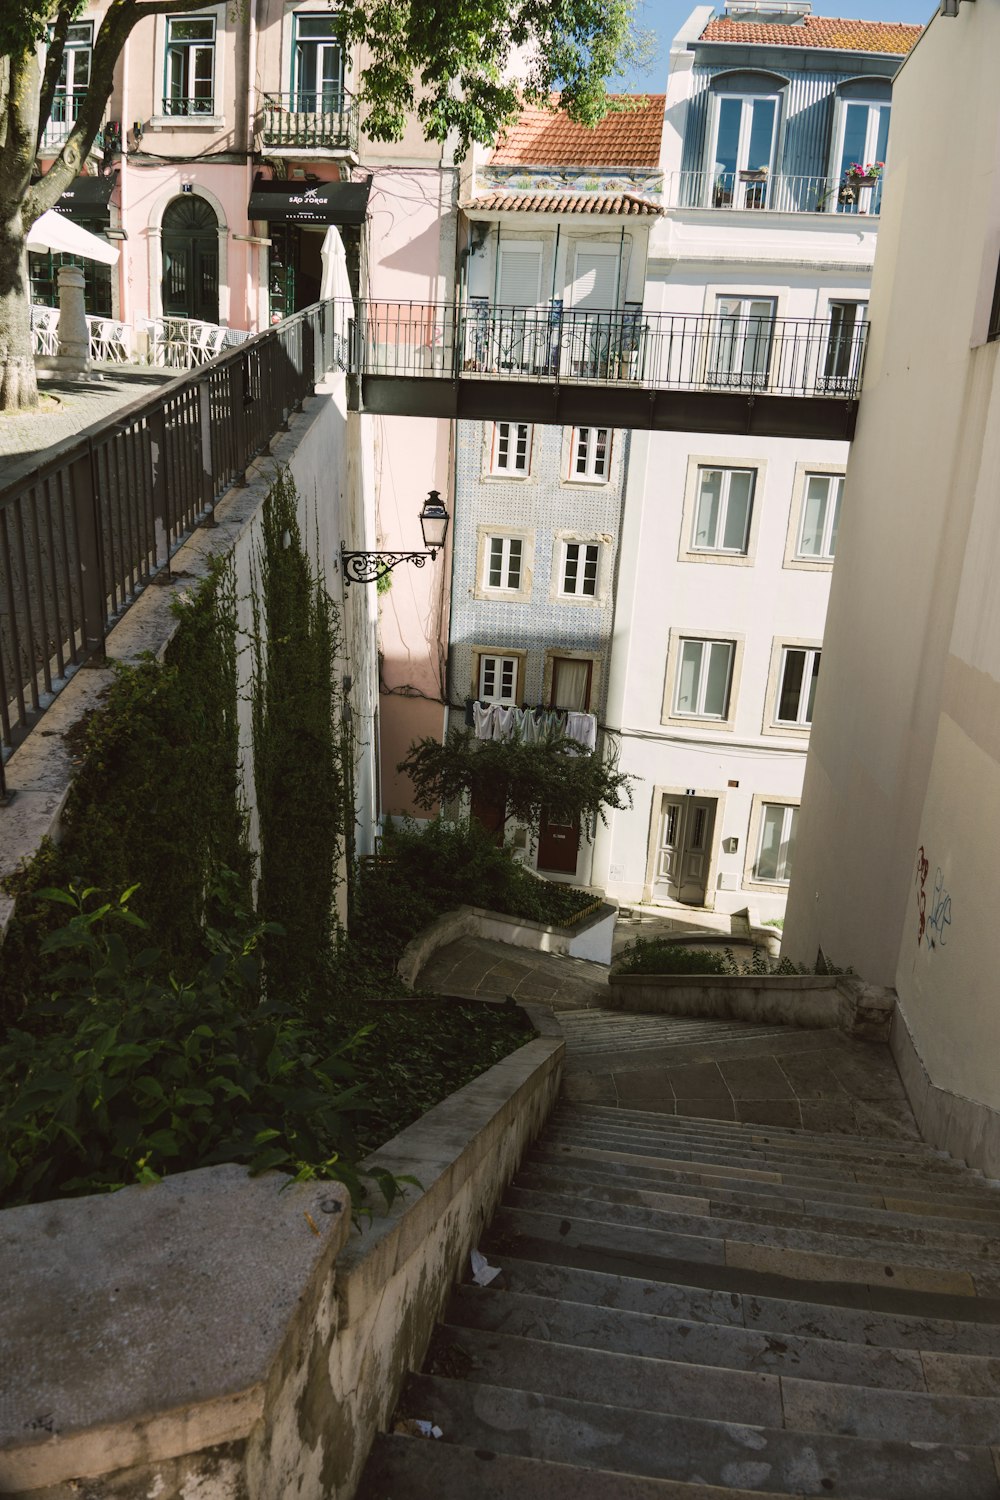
(905, 761)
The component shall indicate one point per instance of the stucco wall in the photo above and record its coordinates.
(901, 795)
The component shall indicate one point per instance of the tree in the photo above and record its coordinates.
(448, 63)
(553, 776)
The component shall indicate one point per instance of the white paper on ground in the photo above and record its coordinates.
(482, 1272)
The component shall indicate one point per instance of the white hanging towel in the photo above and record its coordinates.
(482, 720)
(583, 729)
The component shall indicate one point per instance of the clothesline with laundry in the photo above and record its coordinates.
(505, 721)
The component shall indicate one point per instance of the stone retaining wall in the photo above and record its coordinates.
(811, 1000)
(590, 939)
(230, 1338)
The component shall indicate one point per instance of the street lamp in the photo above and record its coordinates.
(369, 567)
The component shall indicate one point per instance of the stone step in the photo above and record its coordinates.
(807, 1235)
(559, 1429)
(786, 1317)
(610, 1378)
(962, 1242)
(792, 1136)
(718, 1165)
(701, 1343)
(406, 1468)
(631, 1242)
(744, 1189)
(941, 1176)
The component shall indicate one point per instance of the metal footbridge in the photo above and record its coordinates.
(668, 372)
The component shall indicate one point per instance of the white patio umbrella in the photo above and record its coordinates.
(52, 231)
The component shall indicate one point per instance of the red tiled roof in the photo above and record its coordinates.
(546, 138)
(629, 204)
(817, 31)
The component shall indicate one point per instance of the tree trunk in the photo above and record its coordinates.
(18, 388)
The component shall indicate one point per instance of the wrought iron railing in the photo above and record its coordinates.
(81, 535)
(189, 105)
(62, 117)
(772, 192)
(317, 119)
(679, 351)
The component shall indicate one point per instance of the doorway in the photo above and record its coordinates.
(295, 267)
(558, 846)
(683, 848)
(190, 241)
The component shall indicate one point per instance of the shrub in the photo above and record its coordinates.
(660, 956)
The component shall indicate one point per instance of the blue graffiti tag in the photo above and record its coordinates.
(939, 919)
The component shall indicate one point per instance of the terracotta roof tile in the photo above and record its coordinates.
(629, 204)
(817, 31)
(546, 138)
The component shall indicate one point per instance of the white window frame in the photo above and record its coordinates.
(804, 471)
(671, 683)
(853, 346)
(783, 872)
(498, 665)
(727, 472)
(741, 195)
(868, 197)
(509, 550)
(585, 444)
(510, 442)
(831, 518)
(486, 535)
(69, 94)
(803, 717)
(699, 711)
(727, 352)
(573, 588)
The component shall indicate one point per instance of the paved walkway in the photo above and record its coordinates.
(76, 405)
(719, 1070)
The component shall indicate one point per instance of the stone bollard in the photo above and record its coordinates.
(74, 339)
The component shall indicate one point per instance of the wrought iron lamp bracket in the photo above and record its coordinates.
(369, 567)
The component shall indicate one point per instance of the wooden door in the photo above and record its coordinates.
(558, 846)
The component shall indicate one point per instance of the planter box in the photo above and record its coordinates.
(753, 176)
(592, 938)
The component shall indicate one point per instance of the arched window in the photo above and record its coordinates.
(190, 239)
(745, 114)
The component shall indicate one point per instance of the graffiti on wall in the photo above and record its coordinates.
(933, 907)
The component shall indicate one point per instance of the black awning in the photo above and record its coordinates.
(309, 202)
(88, 198)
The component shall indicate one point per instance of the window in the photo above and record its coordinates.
(504, 557)
(190, 76)
(777, 841)
(863, 139)
(797, 689)
(511, 448)
(73, 81)
(498, 679)
(703, 679)
(591, 454)
(740, 351)
(722, 516)
(744, 143)
(844, 355)
(571, 683)
(994, 328)
(579, 569)
(817, 539)
(317, 66)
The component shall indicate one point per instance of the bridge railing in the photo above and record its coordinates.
(663, 351)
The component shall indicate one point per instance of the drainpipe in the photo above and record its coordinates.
(555, 259)
(618, 285)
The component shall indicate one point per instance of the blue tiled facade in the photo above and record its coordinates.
(541, 508)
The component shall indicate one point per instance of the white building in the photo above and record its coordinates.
(728, 541)
(896, 865)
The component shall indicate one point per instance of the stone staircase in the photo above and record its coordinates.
(704, 1309)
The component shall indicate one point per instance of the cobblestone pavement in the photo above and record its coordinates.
(720, 1070)
(81, 404)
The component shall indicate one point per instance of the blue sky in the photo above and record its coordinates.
(665, 17)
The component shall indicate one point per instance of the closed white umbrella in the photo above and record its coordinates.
(52, 231)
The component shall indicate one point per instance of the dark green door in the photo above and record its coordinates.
(190, 243)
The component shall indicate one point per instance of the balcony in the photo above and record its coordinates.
(65, 108)
(762, 192)
(317, 122)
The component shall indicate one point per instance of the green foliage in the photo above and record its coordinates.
(552, 775)
(303, 799)
(123, 1075)
(660, 956)
(155, 799)
(430, 869)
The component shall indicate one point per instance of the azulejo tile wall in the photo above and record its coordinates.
(548, 507)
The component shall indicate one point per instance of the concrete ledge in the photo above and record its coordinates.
(967, 1129)
(591, 939)
(809, 1000)
(221, 1336)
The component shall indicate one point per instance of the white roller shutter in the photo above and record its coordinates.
(520, 276)
(595, 284)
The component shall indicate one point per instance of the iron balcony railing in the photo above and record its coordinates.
(189, 105)
(659, 351)
(764, 192)
(83, 534)
(62, 117)
(317, 120)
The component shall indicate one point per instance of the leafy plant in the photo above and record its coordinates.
(659, 956)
